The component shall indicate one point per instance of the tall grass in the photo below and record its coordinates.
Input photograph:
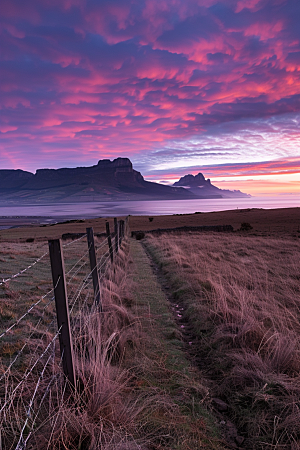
(100, 413)
(134, 391)
(242, 296)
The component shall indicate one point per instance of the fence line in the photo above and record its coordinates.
(102, 260)
(49, 292)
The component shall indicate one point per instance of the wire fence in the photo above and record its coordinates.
(32, 346)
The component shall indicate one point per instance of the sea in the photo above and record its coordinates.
(68, 211)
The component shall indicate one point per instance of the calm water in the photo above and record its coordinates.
(90, 210)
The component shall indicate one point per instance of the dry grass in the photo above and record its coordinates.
(242, 295)
(115, 405)
(102, 413)
(126, 397)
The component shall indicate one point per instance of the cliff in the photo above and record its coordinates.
(106, 181)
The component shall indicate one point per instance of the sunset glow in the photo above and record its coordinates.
(179, 87)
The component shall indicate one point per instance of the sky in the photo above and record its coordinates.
(177, 86)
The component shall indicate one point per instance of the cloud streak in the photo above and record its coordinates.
(158, 81)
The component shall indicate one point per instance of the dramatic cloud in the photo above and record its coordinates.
(171, 84)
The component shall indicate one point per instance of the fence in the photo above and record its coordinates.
(38, 358)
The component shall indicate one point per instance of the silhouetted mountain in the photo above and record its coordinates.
(106, 181)
(201, 187)
(13, 179)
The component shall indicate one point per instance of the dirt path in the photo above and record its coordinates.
(167, 313)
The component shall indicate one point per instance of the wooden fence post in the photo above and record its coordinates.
(93, 264)
(111, 251)
(116, 234)
(121, 230)
(62, 308)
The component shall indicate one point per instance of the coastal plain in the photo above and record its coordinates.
(266, 221)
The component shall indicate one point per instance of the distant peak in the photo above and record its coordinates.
(192, 180)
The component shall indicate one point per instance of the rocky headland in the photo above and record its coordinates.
(201, 187)
(106, 181)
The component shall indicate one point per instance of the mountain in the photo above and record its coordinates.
(106, 181)
(201, 187)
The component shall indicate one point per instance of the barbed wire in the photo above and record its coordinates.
(99, 267)
(80, 259)
(83, 256)
(84, 284)
(24, 443)
(42, 298)
(106, 257)
(73, 241)
(86, 281)
(57, 415)
(29, 337)
(28, 311)
(26, 375)
(78, 295)
(12, 277)
(98, 247)
(103, 261)
(21, 443)
(87, 296)
(77, 271)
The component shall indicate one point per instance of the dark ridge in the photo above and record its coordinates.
(159, 231)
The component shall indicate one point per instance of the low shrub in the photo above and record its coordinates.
(245, 226)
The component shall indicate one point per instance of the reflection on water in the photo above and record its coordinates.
(91, 209)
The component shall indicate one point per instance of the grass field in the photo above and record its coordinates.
(187, 319)
(241, 296)
(35, 407)
(135, 388)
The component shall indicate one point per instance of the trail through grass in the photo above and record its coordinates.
(241, 295)
(164, 369)
(135, 390)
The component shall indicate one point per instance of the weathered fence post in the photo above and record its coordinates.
(120, 233)
(62, 308)
(116, 234)
(93, 264)
(121, 230)
(126, 226)
(111, 251)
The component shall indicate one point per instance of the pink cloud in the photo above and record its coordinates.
(92, 78)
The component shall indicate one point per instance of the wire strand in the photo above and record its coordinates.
(22, 444)
(4, 281)
(27, 312)
(73, 242)
(26, 375)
